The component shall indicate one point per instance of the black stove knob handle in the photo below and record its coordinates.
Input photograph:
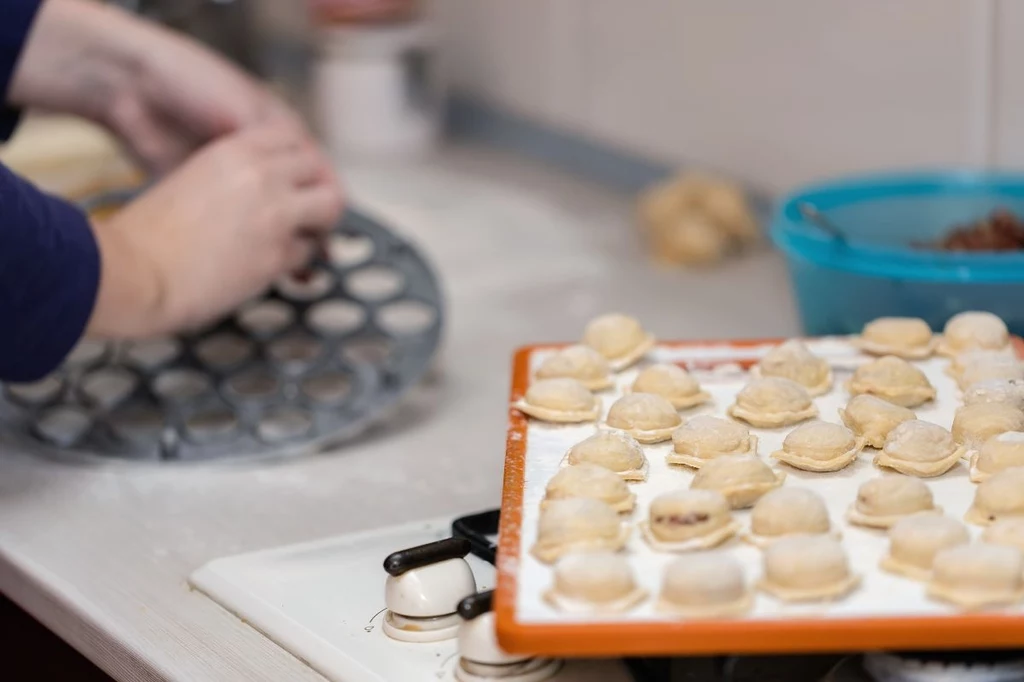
(476, 605)
(405, 560)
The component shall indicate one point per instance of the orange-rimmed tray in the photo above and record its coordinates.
(885, 613)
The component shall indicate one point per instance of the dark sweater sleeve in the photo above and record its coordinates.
(16, 18)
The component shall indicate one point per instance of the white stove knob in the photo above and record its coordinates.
(479, 643)
(430, 591)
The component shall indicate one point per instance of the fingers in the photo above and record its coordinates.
(299, 252)
(317, 208)
(302, 168)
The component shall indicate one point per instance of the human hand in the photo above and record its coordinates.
(241, 212)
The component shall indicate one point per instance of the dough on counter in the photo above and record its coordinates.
(820, 446)
(773, 402)
(975, 424)
(978, 576)
(915, 540)
(807, 568)
(788, 511)
(742, 479)
(990, 369)
(619, 338)
(893, 379)
(1009, 391)
(560, 401)
(582, 363)
(1001, 496)
(1007, 532)
(578, 525)
(883, 501)
(706, 585)
(973, 331)
(594, 582)
(612, 450)
(998, 453)
(873, 418)
(794, 361)
(646, 417)
(593, 481)
(905, 337)
(671, 382)
(704, 438)
(686, 520)
(919, 448)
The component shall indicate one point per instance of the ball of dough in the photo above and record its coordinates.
(873, 418)
(999, 497)
(599, 582)
(977, 576)
(619, 338)
(773, 402)
(973, 331)
(906, 337)
(705, 585)
(671, 382)
(611, 450)
(559, 400)
(705, 437)
(593, 481)
(893, 379)
(788, 511)
(881, 502)
(794, 361)
(582, 363)
(975, 424)
(919, 448)
(998, 453)
(1006, 532)
(915, 540)
(807, 568)
(576, 525)
(690, 240)
(684, 515)
(819, 446)
(1009, 391)
(648, 418)
(742, 479)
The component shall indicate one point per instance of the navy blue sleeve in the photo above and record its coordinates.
(16, 18)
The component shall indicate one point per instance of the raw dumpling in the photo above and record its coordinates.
(893, 379)
(788, 511)
(594, 582)
(881, 502)
(709, 585)
(820, 446)
(1006, 532)
(977, 576)
(704, 438)
(611, 450)
(975, 424)
(648, 418)
(873, 418)
(773, 402)
(998, 453)
(578, 525)
(671, 382)
(990, 369)
(962, 361)
(807, 568)
(1009, 391)
(999, 497)
(742, 479)
(905, 337)
(582, 363)
(794, 361)
(687, 520)
(593, 481)
(915, 540)
(619, 338)
(560, 400)
(973, 331)
(919, 448)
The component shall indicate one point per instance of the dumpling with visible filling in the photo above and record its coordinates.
(704, 438)
(578, 525)
(773, 402)
(646, 417)
(673, 383)
(873, 418)
(919, 448)
(582, 363)
(560, 401)
(794, 361)
(975, 424)
(881, 502)
(905, 337)
(893, 379)
(788, 511)
(820, 446)
(707, 585)
(612, 450)
(593, 481)
(978, 576)
(807, 568)
(973, 330)
(1001, 496)
(594, 582)
(915, 540)
(686, 520)
(742, 479)
(998, 453)
(1006, 532)
(619, 338)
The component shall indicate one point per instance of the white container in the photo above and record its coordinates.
(379, 90)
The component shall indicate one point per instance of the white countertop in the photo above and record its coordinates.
(526, 254)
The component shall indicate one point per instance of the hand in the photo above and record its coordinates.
(243, 211)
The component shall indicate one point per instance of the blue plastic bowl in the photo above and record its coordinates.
(842, 284)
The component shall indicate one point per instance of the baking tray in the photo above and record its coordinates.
(886, 612)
